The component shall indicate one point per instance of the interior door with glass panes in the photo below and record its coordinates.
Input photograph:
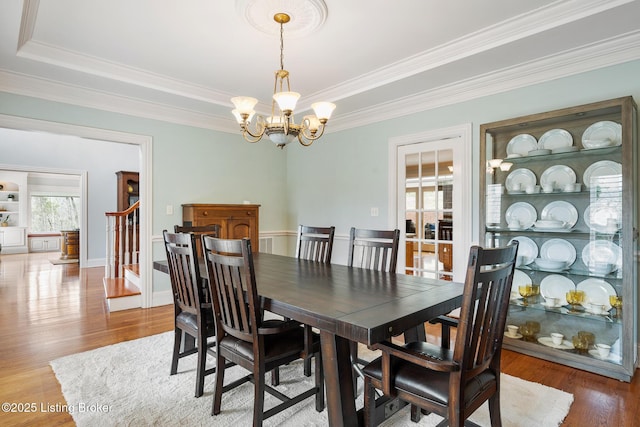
(429, 203)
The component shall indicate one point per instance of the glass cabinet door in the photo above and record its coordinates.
(563, 185)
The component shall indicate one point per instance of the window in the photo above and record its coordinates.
(54, 213)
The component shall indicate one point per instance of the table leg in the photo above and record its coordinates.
(341, 405)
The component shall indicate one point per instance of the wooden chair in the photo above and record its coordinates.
(374, 250)
(314, 244)
(453, 383)
(210, 230)
(244, 337)
(193, 315)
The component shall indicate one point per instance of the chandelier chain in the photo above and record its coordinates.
(281, 46)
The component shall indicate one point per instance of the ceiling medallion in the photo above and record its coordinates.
(307, 16)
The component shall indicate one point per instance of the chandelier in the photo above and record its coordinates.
(280, 127)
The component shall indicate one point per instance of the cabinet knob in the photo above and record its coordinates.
(248, 213)
(205, 213)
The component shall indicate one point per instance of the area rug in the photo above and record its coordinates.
(128, 384)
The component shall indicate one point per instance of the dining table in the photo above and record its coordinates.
(348, 304)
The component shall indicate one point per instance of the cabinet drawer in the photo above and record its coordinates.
(203, 213)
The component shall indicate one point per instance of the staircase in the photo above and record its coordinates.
(122, 273)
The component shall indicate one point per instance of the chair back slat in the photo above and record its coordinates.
(374, 249)
(184, 271)
(231, 275)
(484, 308)
(315, 243)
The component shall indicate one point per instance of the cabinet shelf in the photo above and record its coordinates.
(603, 201)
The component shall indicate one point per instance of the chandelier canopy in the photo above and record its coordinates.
(280, 127)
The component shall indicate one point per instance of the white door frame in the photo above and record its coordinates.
(144, 142)
(461, 167)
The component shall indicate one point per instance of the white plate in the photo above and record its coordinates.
(558, 250)
(602, 251)
(520, 278)
(522, 144)
(602, 134)
(566, 344)
(561, 211)
(597, 214)
(527, 250)
(556, 286)
(610, 358)
(521, 176)
(601, 169)
(523, 212)
(558, 176)
(597, 291)
(555, 138)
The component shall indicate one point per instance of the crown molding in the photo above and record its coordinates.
(36, 87)
(592, 57)
(500, 34)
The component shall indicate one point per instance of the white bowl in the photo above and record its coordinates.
(550, 264)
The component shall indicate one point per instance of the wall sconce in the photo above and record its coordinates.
(505, 166)
(494, 163)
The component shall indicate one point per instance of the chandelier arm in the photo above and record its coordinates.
(254, 137)
(302, 139)
(312, 136)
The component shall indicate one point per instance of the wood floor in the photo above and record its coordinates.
(48, 311)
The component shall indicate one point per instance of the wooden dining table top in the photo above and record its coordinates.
(358, 304)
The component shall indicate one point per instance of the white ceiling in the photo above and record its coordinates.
(181, 61)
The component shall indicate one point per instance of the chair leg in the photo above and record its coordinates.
(258, 398)
(307, 367)
(416, 413)
(275, 377)
(353, 350)
(219, 384)
(494, 410)
(202, 361)
(177, 341)
(319, 377)
(369, 404)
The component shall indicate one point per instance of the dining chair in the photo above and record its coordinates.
(245, 338)
(314, 244)
(193, 315)
(374, 250)
(199, 230)
(453, 383)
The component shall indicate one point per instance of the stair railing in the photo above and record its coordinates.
(123, 240)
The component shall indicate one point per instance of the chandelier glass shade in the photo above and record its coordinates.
(280, 127)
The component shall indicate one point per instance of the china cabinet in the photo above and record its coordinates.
(563, 183)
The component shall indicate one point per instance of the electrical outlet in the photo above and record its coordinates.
(374, 211)
(169, 209)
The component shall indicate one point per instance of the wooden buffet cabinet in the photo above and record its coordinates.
(128, 189)
(235, 221)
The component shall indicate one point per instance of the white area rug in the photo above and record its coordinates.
(128, 384)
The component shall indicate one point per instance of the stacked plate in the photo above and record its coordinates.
(558, 210)
(519, 179)
(602, 134)
(556, 286)
(558, 250)
(556, 141)
(520, 145)
(596, 291)
(605, 173)
(557, 177)
(527, 250)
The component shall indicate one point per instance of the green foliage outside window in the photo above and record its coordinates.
(54, 213)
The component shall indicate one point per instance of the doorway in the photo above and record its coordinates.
(143, 144)
(433, 202)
